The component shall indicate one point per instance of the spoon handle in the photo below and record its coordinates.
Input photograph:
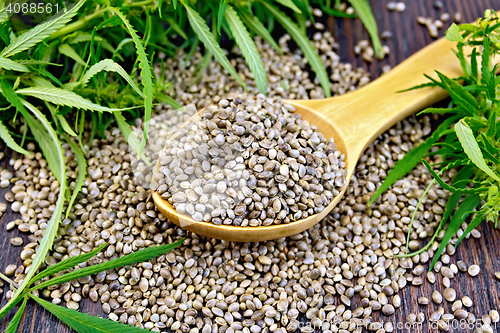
(362, 115)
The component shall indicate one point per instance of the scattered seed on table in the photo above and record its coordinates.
(473, 270)
(467, 301)
(431, 277)
(435, 316)
(450, 294)
(400, 7)
(494, 316)
(423, 300)
(446, 282)
(456, 305)
(16, 241)
(460, 314)
(447, 317)
(10, 269)
(443, 326)
(388, 309)
(462, 266)
(437, 297)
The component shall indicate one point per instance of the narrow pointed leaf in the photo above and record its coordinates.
(258, 28)
(220, 14)
(9, 141)
(134, 257)
(110, 66)
(130, 136)
(201, 29)
(67, 263)
(65, 125)
(451, 188)
(411, 159)
(14, 323)
(41, 31)
(472, 225)
(70, 52)
(290, 4)
(8, 64)
(63, 97)
(364, 11)
(305, 45)
(471, 148)
(82, 172)
(248, 48)
(84, 323)
(464, 210)
(51, 147)
(164, 98)
(146, 75)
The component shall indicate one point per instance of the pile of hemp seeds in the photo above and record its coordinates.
(335, 277)
(249, 161)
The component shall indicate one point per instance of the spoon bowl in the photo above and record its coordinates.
(354, 120)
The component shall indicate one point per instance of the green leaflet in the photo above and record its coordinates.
(7, 307)
(8, 64)
(472, 225)
(40, 31)
(65, 125)
(471, 148)
(63, 97)
(453, 34)
(84, 323)
(248, 48)
(176, 27)
(460, 96)
(362, 8)
(220, 14)
(465, 209)
(290, 4)
(14, 323)
(145, 73)
(134, 257)
(109, 66)
(52, 150)
(163, 98)
(9, 141)
(67, 263)
(70, 52)
(200, 27)
(450, 187)
(258, 28)
(304, 44)
(411, 159)
(130, 136)
(82, 172)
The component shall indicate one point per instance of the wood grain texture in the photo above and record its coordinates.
(409, 37)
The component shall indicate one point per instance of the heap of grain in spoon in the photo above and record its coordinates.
(249, 161)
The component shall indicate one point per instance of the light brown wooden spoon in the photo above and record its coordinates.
(354, 120)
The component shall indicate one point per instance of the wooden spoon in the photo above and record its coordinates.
(354, 120)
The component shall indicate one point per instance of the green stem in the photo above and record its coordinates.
(415, 213)
(9, 280)
(407, 255)
(77, 25)
(140, 3)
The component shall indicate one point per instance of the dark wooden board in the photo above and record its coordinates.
(408, 37)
